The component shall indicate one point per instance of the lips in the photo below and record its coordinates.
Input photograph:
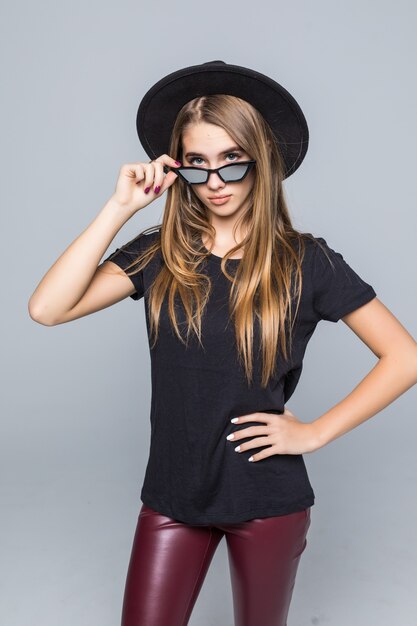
(218, 197)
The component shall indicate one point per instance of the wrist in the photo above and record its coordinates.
(117, 211)
(318, 436)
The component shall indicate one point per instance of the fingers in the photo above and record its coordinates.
(149, 177)
(161, 181)
(158, 176)
(251, 431)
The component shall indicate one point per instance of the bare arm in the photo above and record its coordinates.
(75, 286)
(394, 373)
(69, 277)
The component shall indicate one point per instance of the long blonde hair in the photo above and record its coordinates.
(269, 275)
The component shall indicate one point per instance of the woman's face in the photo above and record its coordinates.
(210, 146)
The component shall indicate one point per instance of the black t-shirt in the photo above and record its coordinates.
(193, 473)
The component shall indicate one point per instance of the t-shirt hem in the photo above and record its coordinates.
(218, 518)
(135, 279)
(366, 297)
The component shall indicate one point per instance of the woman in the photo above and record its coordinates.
(233, 293)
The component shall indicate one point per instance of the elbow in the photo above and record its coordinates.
(38, 316)
(415, 366)
(412, 360)
(406, 363)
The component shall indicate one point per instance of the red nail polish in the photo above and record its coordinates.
(156, 190)
(147, 190)
(177, 162)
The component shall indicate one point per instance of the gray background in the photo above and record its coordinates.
(76, 397)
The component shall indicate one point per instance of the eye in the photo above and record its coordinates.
(235, 154)
(193, 159)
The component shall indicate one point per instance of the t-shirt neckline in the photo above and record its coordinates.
(215, 257)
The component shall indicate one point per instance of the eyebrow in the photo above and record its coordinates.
(198, 154)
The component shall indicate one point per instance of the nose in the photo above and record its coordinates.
(214, 181)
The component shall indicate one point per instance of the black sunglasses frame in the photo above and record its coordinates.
(178, 170)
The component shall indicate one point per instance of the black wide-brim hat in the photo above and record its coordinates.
(161, 104)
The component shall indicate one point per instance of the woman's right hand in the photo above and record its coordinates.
(134, 178)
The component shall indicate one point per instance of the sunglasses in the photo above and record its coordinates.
(231, 173)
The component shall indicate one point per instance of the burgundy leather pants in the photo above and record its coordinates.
(170, 559)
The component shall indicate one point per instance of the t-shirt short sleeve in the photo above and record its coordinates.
(337, 288)
(124, 256)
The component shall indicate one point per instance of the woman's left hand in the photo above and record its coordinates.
(284, 433)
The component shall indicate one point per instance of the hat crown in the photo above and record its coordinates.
(217, 62)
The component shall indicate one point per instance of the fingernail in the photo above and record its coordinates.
(147, 189)
(230, 436)
(250, 458)
(237, 448)
(156, 190)
(234, 420)
(177, 162)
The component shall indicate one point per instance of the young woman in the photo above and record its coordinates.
(233, 293)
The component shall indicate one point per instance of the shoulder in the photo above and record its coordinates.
(335, 286)
(323, 264)
(312, 249)
(318, 254)
(152, 234)
(142, 241)
(149, 236)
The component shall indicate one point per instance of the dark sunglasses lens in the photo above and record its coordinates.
(232, 173)
(194, 176)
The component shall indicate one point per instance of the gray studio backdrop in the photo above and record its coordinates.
(76, 397)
